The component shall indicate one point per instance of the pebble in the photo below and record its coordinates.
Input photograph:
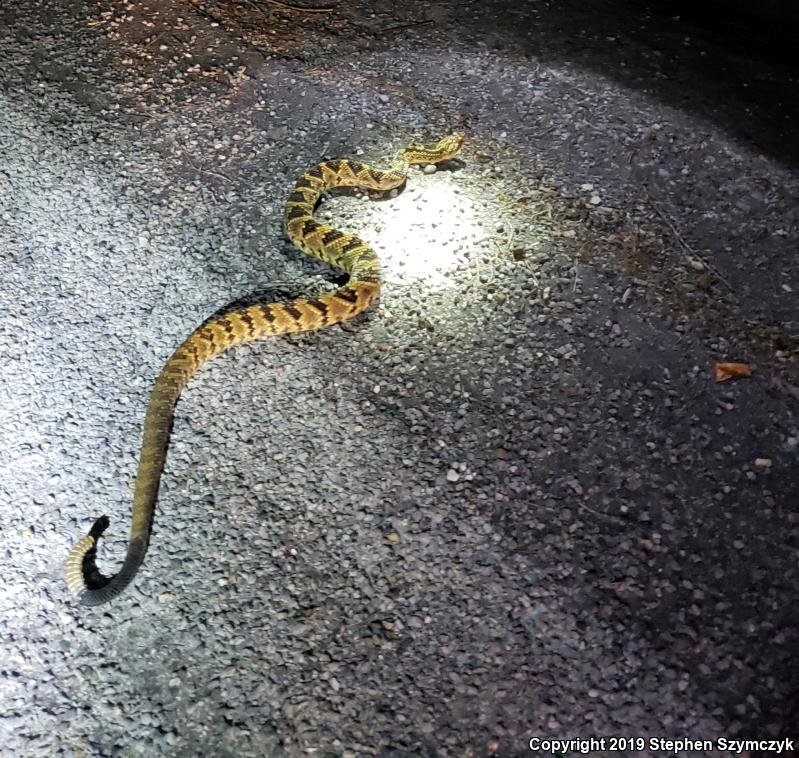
(276, 132)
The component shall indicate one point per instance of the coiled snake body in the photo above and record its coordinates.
(340, 249)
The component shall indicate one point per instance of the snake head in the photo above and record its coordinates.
(449, 145)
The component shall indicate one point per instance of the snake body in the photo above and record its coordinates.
(335, 247)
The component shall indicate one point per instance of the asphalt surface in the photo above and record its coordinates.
(509, 502)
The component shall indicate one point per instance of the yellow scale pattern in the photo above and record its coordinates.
(337, 248)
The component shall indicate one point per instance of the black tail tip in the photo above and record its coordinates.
(99, 527)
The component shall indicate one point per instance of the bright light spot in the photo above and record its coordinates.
(425, 232)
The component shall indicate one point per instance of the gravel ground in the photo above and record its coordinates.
(510, 501)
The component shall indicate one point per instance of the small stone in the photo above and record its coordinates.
(696, 264)
(383, 98)
(276, 132)
(763, 463)
(430, 168)
(452, 475)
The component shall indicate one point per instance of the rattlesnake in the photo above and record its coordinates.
(340, 249)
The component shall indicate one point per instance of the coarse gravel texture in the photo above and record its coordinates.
(510, 500)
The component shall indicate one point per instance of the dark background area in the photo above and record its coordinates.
(733, 63)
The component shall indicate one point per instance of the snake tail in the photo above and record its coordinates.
(339, 249)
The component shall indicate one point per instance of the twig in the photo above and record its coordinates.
(609, 516)
(208, 171)
(155, 39)
(683, 244)
(299, 8)
(404, 26)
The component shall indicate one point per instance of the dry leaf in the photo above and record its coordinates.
(724, 371)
